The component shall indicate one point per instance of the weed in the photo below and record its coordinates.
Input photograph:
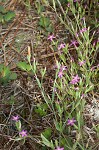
(6, 75)
(6, 16)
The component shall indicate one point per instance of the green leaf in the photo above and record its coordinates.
(5, 74)
(2, 9)
(40, 8)
(13, 76)
(6, 71)
(43, 71)
(46, 142)
(1, 67)
(40, 112)
(12, 100)
(22, 65)
(44, 22)
(58, 126)
(18, 125)
(28, 67)
(89, 88)
(38, 82)
(41, 109)
(10, 15)
(49, 28)
(47, 133)
(1, 17)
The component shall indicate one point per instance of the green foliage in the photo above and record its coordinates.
(45, 24)
(47, 133)
(24, 66)
(11, 101)
(6, 16)
(41, 109)
(40, 8)
(2, 10)
(96, 127)
(18, 125)
(47, 142)
(59, 126)
(6, 75)
(27, 4)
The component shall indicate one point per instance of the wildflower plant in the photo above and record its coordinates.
(22, 134)
(71, 84)
(75, 82)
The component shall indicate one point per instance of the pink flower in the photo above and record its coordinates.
(60, 73)
(76, 0)
(82, 96)
(83, 30)
(98, 31)
(81, 63)
(72, 59)
(77, 34)
(94, 43)
(54, 90)
(68, 5)
(23, 133)
(63, 68)
(51, 37)
(98, 66)
(15, 118)
(93, 68)
(83, 18)
(75, 79)
(58, 148)
(76, 88)
(71, 122)
(74, 42)
(62, 45)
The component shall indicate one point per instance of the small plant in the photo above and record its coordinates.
(41, 109)
(6, 15)
(24, 66)
(45, 24)
(69, 91)
(6, 75)
(22, 134)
